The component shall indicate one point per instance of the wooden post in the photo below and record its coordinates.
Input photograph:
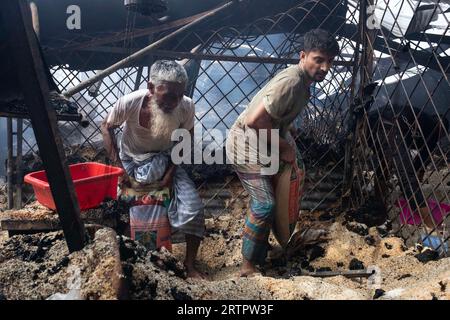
(19, 173)
(352, 123)
(137, 81)
(24, 48)
(10, 168)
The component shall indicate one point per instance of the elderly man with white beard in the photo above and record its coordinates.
(150, 116)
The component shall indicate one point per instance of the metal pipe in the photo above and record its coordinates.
(214, 57)
(143, 52)
(347, 274)
(126, 35)
(9, 170)
(352, 124)
(137, 82)
(19, 173)
(59, 117)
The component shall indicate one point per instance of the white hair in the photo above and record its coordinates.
(167, 70)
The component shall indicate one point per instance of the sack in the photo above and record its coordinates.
(150, 226)
(149, 221)
(288, 192)
(295, 195)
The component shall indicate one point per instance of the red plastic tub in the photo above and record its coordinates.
(93, 183)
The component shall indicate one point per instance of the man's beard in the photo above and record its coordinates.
(163, 123)
(315, 76)
(319, 77)
(165, 109)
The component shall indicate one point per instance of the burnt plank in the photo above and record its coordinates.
(24, 48)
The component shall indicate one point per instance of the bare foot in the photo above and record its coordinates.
(194, 273)
(248, 274)
(248, 269)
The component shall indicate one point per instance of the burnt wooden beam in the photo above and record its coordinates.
(121, 36)
(212, 57)
(23, 225)
(10, 167)
(59, 117)
(145, 51)
(389, 46)
(25, 50)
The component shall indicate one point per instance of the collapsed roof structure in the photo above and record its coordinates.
(230, 50)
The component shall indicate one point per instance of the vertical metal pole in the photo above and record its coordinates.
(349, 147)
(367, 40)
(19, 172)
(137, 82)
(9, 170)
(192, 67)
(151, 58)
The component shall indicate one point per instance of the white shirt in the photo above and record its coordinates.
(139, 142)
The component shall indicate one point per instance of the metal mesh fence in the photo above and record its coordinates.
(221, 89)
(401, 151)
(392, 149)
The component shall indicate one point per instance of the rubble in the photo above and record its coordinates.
(34, 216)
(38, 266)
(370, 240)
(166, 261)
(378, 293)
(74, 154)
(427, 255)
(358, 228)
(355, 264)
(160, 274)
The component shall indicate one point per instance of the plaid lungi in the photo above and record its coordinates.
(185, 211)
(259, 221)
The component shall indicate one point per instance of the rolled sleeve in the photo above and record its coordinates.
(119, 112)
(189, 120)
(278, 97)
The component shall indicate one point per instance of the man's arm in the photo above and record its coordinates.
(112, 151)
(168, 176)
(170, 171)
(110, 142)
(261, 119)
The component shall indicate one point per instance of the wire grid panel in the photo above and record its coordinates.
(223, 89)
(401, 157)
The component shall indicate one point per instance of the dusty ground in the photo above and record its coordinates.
(39, 266)
(402, 275)
(110, 213)
(160, 275)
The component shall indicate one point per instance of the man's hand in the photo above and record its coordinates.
(287, 154)
(124, 181)
(167, 180)
(110, 143)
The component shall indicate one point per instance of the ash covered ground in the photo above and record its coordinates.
(36, 266)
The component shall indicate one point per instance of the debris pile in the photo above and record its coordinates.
(74, 154)
(36, 217)
(39, 267)
(35, 267)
